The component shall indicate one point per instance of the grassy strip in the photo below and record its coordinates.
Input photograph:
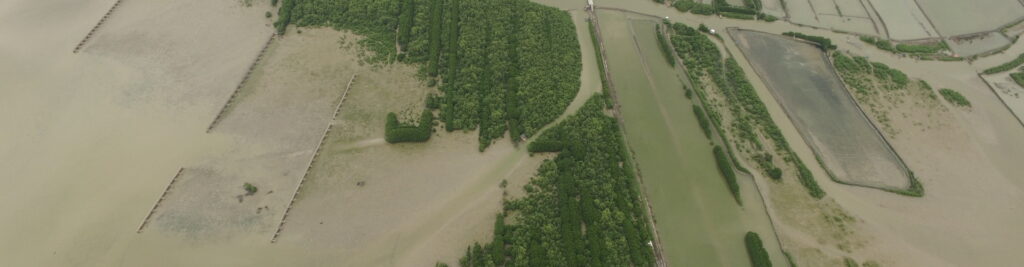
(666, 49)
(954, 97)
(822, 42)
(730, 176)
(755, 249)
(1018, 78)
(705, 125)
(600, 64)
(1006, 66)
(905, 48)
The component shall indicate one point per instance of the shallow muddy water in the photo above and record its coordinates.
(802, 80)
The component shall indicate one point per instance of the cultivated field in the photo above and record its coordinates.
(978, 44)
(698, 220)
(952, 18)
(813, 96)
(902, 19)
(841, 15)
(279, 116)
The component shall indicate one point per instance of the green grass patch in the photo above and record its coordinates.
(1018, 78)
(1006, 66)
(822, 42)
(600, 64)
(954, 97)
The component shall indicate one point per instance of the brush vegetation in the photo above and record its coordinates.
(823, 42)
(399, 132)
(750, 118)
(582, 208)
(954, 97)
(505, 66)
(1018, 78)
(1006, 66)
(755, 249)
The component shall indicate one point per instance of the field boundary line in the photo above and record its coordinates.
(657, 246)
(97, 26)
(312, 159)
(161, 199)
(234, 94)
(1007, 106)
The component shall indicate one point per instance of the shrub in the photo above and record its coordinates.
(249, 188)
(702, 9)
(733, 15)
(433, 101)
(397, 132)
(725, 168)
(268, 15)
(954, 97)
(273, 2)
(775, 173)
(921, 49)
(766, 17)
(705, 125)
(755, 249)
(666, 49)
(823, 43)
(684, 5)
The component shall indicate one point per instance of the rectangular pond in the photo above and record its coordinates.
(802, 80)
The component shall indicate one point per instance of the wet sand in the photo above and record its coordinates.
(95, 137)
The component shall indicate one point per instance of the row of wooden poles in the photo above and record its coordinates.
(157, 204)
(241, 83)
(312, 159)
(91, 32)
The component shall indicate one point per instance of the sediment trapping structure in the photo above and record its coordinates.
(241, 83)
(161, 199)
(93, 30)
(312, 159)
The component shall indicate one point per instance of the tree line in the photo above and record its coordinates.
(582, 208)
(503, 65)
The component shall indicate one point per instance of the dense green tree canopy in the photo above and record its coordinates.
(505, 65)
(582, 209)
